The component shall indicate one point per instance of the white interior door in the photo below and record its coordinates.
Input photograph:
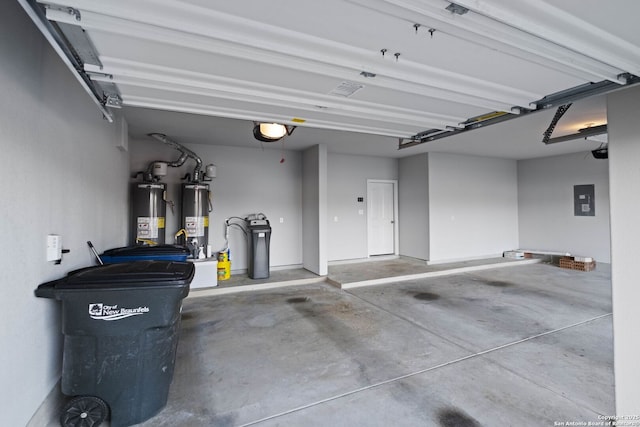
(381, 217)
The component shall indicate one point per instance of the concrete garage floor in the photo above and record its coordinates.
(354, 274)
(525, 345)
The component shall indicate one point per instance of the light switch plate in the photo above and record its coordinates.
(54, 247)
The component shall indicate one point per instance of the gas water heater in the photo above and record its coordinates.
(196, 205)
(148, 201)
(148, 211)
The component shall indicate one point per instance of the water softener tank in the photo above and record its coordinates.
(259, 238)
(195, 215)
(148, 210)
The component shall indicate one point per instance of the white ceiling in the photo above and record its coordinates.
(201, 71)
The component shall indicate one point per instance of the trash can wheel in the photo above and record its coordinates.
(84, 411)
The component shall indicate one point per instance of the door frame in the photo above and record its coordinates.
(396, 240)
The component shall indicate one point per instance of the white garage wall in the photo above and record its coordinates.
(347, 180)
(249, 180)
(473, 206)
(413, 204)
(545, 205)
(61, 174)
(623, 110)
(314, 209)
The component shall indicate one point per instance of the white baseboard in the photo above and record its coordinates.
(271, 268)
(286, 267)
(359, 260)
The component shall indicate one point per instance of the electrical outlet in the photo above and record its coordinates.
(54, 247)
(281, 220)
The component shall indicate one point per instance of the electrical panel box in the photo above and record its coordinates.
(584, 200)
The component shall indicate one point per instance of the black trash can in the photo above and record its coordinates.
(259, 238)
(121, 325)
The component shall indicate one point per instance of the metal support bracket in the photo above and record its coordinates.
(113, 100)
(75, 13)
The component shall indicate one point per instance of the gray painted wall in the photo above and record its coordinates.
(624, 153)
(314, 209)
(413, 204)
(545, 204)
(346, 181)
(249, 180)
(473, 206)
(61, 174)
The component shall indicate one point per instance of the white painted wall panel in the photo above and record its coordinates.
(62, 174)
(624, 155)
(545, 205)
(473, 206)
(346, 181)
(413, 201)
(314, 209)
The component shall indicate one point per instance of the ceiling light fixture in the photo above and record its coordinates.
(271, 132)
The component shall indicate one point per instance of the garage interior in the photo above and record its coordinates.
(479, 118)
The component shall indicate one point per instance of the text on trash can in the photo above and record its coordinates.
(100, 311)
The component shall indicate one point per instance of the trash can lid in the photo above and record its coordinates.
(127, 274)
(148, 250)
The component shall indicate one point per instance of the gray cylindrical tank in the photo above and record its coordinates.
(259, 238)
(148, 210)
(195, 215)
